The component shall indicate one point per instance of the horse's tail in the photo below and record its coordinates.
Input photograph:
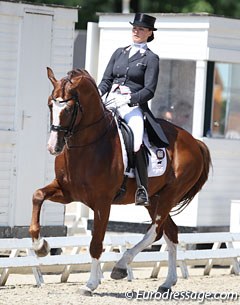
(207, 163)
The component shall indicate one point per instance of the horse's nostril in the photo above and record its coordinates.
(58, 149)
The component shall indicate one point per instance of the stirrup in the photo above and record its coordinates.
(141, 197)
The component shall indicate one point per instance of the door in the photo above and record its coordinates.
(33, 89)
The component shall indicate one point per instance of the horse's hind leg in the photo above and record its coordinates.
(120, 269)
(171, 238)
(171, 279)
(154, 233)
(52, 192)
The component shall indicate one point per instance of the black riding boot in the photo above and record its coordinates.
(141, 173)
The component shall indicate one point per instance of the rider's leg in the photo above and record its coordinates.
(135, 120)
(141, 173)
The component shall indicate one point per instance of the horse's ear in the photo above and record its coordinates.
(51, 76)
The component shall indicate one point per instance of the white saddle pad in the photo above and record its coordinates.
(157, 159)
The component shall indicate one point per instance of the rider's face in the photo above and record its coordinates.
(140, 34)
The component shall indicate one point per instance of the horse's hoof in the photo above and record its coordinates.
(43, 249)
(118, 273)
(163, 289)
(85, 291)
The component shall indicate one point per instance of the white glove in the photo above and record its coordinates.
(122, 99)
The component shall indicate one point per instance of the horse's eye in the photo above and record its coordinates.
(67, 109)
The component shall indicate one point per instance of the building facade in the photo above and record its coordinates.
(32, 37)
(198, 89)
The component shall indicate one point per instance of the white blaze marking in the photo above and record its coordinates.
(56, 110)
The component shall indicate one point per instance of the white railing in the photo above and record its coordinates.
(75, 254)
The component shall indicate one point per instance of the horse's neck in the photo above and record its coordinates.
(93, 128)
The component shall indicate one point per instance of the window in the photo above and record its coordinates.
(226, 101)
(174, 96)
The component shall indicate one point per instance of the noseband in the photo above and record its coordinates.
(68, 131)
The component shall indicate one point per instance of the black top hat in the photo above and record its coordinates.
(144, 21)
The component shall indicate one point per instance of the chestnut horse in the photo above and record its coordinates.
(89, 168)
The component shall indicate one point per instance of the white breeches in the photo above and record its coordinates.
(133, 117)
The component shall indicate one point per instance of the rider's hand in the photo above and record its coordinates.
(122, 99)
(132, 104)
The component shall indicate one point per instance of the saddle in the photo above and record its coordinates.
(128, 139)
(127, 135)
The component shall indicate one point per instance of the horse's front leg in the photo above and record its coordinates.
(52, 192)
(101, 215)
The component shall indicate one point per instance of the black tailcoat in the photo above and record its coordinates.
(140, 74)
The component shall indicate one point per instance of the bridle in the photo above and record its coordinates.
(69, 130)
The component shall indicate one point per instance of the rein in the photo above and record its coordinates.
(90, 125)
(98, 138)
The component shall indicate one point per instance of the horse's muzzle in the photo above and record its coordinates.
(55, 151)
(55, 144)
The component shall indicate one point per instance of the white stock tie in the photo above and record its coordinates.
(137, 47)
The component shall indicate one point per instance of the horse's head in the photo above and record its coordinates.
(66, 109)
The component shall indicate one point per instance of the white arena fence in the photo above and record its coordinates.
(20, 258)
